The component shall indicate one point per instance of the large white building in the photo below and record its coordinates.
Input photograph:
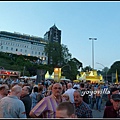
(23, 44)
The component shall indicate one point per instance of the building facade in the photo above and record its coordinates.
(23, 44)
(53, 35)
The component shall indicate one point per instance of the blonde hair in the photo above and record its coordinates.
(66, 96)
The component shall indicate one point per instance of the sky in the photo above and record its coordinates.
(77, 20)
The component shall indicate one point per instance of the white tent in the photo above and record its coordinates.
(64, 79)
(24, 77)
(47, 75)
(33, 77)
(52, 76)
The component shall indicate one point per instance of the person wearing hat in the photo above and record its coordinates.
(113, 90)
(114, 110)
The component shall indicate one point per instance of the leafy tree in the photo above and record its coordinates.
(58, 54)
(87, 68)
(115, 66)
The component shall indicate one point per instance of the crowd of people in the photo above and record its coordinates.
(65, 99)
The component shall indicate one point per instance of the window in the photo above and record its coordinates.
(25, 51)
(16, 49)
(11, 48)
(6, 48)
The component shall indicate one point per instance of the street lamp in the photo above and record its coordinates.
(93, 50)
(104, 67)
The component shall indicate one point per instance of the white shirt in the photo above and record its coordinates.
(70, 93)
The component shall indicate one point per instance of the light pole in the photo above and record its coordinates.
(23, 70)
(104, 67)
(93, 51)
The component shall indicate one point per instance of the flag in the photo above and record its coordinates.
(116, 77)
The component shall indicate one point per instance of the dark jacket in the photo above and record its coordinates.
(28, 103)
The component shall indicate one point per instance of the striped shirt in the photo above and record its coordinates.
(46, 107)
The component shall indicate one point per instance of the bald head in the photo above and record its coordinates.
(57, 84)
(69, 85)
(16, 90)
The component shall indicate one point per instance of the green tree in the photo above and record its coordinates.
(115, 66)
(59, 54)
(87, 68)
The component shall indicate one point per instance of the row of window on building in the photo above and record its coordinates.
(21, 50)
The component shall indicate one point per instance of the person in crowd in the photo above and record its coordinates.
(65, 97)
(26, 99)
(11, 106)
(113, 111)
(46, 108)
(64, 88)
(82, 109)
(65, 110)
(113, 90)
(92, 97)
(49, 90)
(86, 96)
(76, 86)
(70, 92)
(40, 95)
(33, 96)
(98, 98)
(4, 89)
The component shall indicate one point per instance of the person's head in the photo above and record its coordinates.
(116, 101)
(78, 97)
(64, 87)
(50, 87)
(82, 85)
(25, 90)
(65, 97)
(35, 89)
(57, 89)
(40, 88)
(4, 89)
(16, 90)
(65, 110)
(114, 90)
(69, 85)
(92, 87)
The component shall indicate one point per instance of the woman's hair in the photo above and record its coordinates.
(40, 88)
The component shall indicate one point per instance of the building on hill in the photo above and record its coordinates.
(23, 44)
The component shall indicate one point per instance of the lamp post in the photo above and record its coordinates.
(93, 51)
(104, 67)
(23, 70)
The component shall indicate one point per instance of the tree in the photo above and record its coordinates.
(58, 54)
(114, 66)
(87, 68)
